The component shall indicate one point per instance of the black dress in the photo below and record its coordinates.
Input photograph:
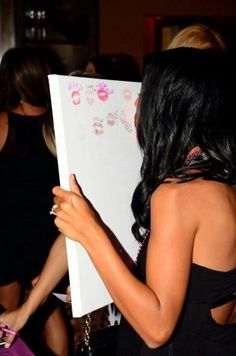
(28, 173)
(196, 334)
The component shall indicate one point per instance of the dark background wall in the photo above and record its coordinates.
(122, 22)
(70, 27)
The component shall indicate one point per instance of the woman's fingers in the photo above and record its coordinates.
(60, 224)
(68, 295)
(74, 215)
(65, 195)
(70, 204)
(7, 335)
(66, 227)
(61, 193)
(74, 186)
(9, 340)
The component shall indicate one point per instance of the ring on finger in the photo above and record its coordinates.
(53, 210)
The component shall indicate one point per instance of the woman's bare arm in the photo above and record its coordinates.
(53, 271)
(153, 308)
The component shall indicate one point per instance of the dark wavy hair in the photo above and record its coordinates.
(188, 99)
(117, 66)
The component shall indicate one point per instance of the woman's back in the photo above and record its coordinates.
(212, 205)
(207, 324)
(215, 241)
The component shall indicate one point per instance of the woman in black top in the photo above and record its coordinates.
(28, 172)
(180, 298)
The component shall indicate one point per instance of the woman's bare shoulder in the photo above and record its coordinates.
(174, 195)
(193, 193)
(174, 189)
(194, 186)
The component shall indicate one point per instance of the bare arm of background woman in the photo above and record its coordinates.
(53, 271)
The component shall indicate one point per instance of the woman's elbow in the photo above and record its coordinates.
(156, 339)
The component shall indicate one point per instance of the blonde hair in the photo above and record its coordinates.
(198, 36)
(49, 138)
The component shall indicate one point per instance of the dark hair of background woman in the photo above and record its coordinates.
(117, 66)
(23, 76)
(188, 99)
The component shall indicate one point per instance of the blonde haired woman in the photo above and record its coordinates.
(198, 36)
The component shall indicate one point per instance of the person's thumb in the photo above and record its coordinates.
(74, 187)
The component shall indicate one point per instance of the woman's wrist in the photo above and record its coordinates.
(96, 235)
(32, 303)
(26, 310)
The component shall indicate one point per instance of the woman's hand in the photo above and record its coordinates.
(68, 295)
(13, 320)
(75, 216)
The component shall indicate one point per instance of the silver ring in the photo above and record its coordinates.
(53, 210)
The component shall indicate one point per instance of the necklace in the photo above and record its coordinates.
(147, 233)
(196, 157)
(22, 107)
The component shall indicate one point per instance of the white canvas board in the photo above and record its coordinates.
(96, 140)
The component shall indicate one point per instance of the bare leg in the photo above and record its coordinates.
(56, 333)
(10, 295)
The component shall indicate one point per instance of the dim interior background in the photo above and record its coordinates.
(80, 29)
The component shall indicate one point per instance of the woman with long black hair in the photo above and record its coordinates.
(180, 298)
